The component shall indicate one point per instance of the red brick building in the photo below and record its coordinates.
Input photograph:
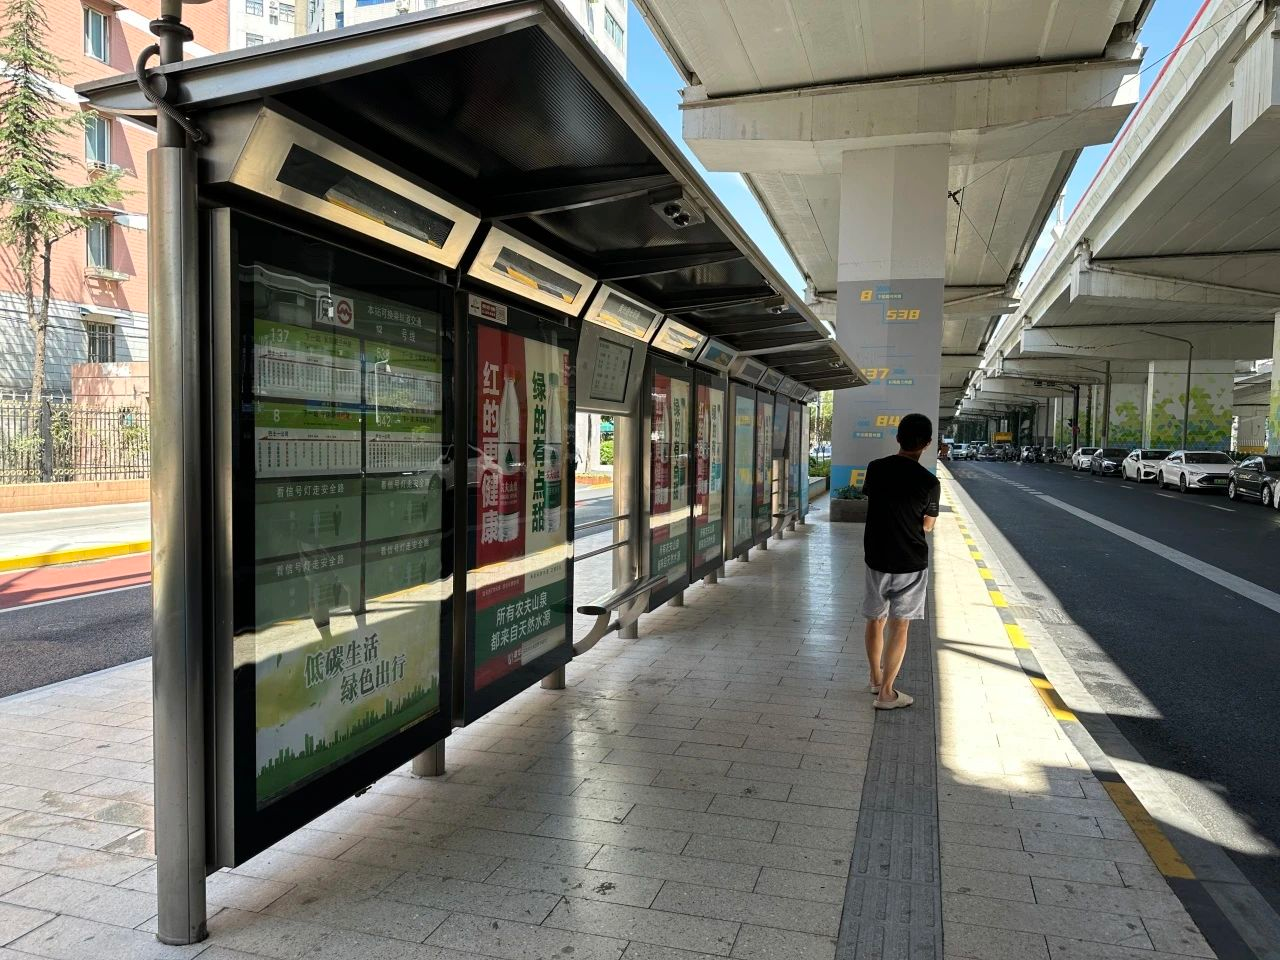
(100, 275)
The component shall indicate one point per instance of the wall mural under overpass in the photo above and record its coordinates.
(1210, 414)
(1124, 428)
(1273, 412)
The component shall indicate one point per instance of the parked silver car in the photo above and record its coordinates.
(1195, 470)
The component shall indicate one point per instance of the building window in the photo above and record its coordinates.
(339, 20)
(591, 17)
(286, 13)
(252, 39)
(613, 28)
(253, 7)
(97, 140)
(102, 342)
(98, 244)
(96, 34)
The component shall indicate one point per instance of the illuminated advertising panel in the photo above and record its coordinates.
(708, 474)
(670, 432)
(744, 459)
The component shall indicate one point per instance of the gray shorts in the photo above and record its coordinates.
(897, 595)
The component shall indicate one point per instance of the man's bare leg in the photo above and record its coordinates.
(875, 650)
(894, 653)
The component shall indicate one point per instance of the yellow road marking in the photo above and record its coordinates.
(1057, 706)
(1162, 853)
(1016, 636)
(997, 598)
(986, 574)
(74, 556)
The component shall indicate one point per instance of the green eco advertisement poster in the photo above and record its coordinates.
(708, 506)
(520, 576)
(347, 540)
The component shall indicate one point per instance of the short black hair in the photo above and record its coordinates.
(915, 430)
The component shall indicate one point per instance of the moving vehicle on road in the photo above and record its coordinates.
(1106, 461)
(1195, 470)
(1080, 459)
(988, 452)
(1141, 465)
(1256, 477)
(961, 451)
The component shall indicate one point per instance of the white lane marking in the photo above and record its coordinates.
(1214, 506)
(78, 596)
(1239, 585)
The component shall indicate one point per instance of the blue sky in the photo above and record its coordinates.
(656, 82)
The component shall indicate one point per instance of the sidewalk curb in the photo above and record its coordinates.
(1222, 933)
(74, 556)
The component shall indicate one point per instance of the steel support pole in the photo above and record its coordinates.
(627, 502)
(1075, 416)
(555, 680)
(177, 546)
(712, 577)
(430, 762)
(677, 600)
(1106, 405)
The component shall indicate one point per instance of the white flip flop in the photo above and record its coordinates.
(902, 700)
(873, 688)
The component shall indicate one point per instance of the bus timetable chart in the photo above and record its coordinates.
(294, 438)
(401, 441)
(305, 364)
(399, 377)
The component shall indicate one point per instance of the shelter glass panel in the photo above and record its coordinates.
(763, 500)
(744, 453)
(709, 475)
(670, 429)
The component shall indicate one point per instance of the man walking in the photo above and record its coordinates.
(903, 507)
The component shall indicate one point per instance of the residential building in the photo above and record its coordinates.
(254, 22)
(98, 311)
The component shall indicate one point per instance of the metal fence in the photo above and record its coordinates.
(64, 441)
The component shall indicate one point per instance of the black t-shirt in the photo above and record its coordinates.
(901, 494)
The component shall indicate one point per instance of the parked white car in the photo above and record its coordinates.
(1080, 459)
(1141, 465)
(1195, 470)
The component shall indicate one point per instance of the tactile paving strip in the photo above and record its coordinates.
(893, 903)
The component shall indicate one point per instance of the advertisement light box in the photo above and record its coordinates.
(718, 356)
(519, 267)
(679, 340)
(621, 313)
(744, 368)
(771, 380)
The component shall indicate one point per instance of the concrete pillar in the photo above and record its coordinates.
(1273, 413)
(1209, 421)
(889, 287)
(1128, 401)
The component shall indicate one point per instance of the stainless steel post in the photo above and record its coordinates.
(177, 546)
(677, 600)
(712, 577)
(430, 762)
(554, 680)
(627, 502)
(1106, 405)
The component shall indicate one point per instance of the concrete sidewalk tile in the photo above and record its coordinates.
(965, 940)
(72, 938)
(680, 763)
(987, 883)
(585, 883)
(17, 921)
(376, 826)
(803, 859)
(139, 843)
(610, 770)
(81, 898)
(657, 796)
(78, 863)
(91, 834)
(709, 751)
(292, 868)
(777, 882)
(784, 812)
(1156, 904)
(714, 824)
(577, 805)
(1177, 936)
(1046, 919)
(1078, 826)
(648, 926)
(1062, 949)
(649, 951)
(767, 943)
(1033, 864)
(545, 848)
(16, 775)
(222, 889)
(684, 867)
(498, 777)
(821, 838)
(317, 843)
(829, 780)
(450, 893)
(376, 916)
(595, 832)
(804, 916)
(1141, 876)
(1120, 851)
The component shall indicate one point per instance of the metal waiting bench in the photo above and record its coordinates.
(628, 601)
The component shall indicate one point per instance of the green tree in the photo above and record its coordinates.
(39, 207)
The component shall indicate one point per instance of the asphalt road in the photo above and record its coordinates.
(1184, 667)
(86, 629)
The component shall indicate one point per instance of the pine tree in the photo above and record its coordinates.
(38, 207)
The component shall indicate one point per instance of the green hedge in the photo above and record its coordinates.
(606, 452)
(819, 468)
